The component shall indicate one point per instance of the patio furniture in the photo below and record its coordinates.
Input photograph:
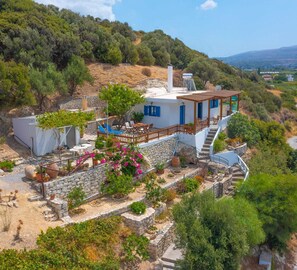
(113, 131)
(128, 127)
(101, 129)
(132, 123)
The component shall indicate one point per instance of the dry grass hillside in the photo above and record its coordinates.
(126, 74)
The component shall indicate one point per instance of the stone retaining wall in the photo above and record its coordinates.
(160, 151)
(90, 181)
(93, 102)
(240, 150)
(139, 223)
(59, 206)
(160, 244)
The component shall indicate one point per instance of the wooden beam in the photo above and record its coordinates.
(195, 117)
(208, 119)
(238, 97)
(221, 109)
(230, 109)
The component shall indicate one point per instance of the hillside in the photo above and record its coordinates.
(43, 51)
(285, 57)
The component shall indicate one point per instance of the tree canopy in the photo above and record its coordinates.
(121, 99)
(275, 198)
(215, 234)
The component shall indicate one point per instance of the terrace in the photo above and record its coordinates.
(228, 102)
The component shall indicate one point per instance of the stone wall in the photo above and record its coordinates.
(159, 151)
(90, 181)
(59, 206)
(160, 244)
(140, 223)
(72, 104)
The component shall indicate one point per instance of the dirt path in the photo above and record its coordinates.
(29, 212)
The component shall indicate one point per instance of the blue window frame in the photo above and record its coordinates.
(214, 103)
(152, 111)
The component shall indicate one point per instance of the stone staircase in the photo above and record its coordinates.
(237, 175)
(170, 257)
(204, 153)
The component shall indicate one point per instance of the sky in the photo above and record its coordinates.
(215, 27)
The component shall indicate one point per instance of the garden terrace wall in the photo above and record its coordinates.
(160, 151)
(90, 181)
(160, 244)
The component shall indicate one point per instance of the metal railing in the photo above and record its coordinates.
(243, 167)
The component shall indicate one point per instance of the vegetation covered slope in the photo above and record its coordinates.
(46, 39)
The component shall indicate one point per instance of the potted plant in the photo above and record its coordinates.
(160, 168)
(175, 162)
(40, 173)
(189, 128)
(183, 162)
(137, 116)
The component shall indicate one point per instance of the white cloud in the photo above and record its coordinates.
(209, 4)
(95, 8)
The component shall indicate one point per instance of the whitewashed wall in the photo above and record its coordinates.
(24, 129)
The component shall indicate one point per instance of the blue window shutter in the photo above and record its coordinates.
(211, 103)
(146, 110)
(216, 103)
(158, 111)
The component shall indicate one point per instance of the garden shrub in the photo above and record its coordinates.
(222, 136)
(2, 140)
(146, 72)
(169, 195)
(137, 116)
(7, 165)
(138, 208)
(218, 145)
(191, 184)
(100, 142)
(76, 197)
(136, 247)
(118, 185)
(154, 193)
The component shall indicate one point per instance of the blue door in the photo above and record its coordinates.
(200, 107)
(182, 114)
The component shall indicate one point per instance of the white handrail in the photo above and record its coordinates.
(214, 138)
(244, 168)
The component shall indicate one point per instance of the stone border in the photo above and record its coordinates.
(160, 244)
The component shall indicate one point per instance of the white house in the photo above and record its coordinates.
(41, 141)
(179, 106)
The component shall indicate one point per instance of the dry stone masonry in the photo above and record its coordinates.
(90, 181)
(140, 223)
(160, 151)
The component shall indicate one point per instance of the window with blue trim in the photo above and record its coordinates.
(152, 111)
(214, 103)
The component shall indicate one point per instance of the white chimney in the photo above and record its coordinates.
(170, 78)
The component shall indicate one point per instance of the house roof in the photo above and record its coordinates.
(209, 95)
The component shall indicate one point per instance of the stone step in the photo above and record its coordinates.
(170, 260)
(204, 152)
(35, 198)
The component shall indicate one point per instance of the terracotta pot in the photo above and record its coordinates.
(52, 197)
(175, 162)
(52, 170)
(95, 162)
(160, 171)
(30, 172)
(38, 177)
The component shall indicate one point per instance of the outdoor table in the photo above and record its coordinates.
(80, 149)
(140, 127)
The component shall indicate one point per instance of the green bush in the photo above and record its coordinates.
(154, 193)
(146, 72)
(218, 145)
(136, 247)
(118, 185)
(240, 126)
(7, 165)
(76, 197)
(191, 184)
(100, 142)
(138, 208)
(137, 116)
(2, 140)
(222, 136)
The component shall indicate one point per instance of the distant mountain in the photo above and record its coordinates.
(285, 57)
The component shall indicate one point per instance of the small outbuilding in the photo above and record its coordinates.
(40, 141)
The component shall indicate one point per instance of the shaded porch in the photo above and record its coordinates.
(201, 121)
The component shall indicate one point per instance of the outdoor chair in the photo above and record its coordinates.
(113, 131)
(101, 129)
(128, 127)
(132, 123)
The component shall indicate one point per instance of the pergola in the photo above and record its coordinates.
(200, 97)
